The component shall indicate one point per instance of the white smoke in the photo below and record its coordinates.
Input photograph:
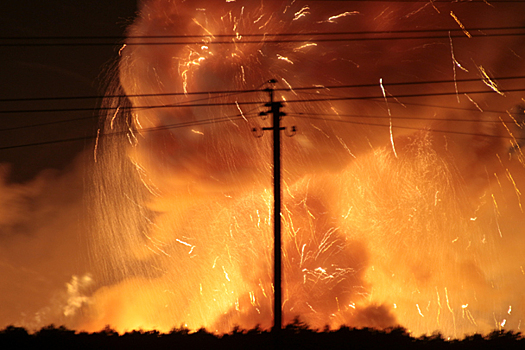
(43, 244)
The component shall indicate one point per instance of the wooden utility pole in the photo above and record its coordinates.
(275, 111)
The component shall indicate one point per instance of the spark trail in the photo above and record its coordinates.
(372, 236)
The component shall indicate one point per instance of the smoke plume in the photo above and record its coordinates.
(401, 191)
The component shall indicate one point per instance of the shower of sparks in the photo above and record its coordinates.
(384, 96)
(418, 10)
(467, 314)
(434, 6)
(302, 13)
(226, 274)
(258, 19)
(187, 66)
(460, 24)
(143, 175)
(240, 111)
(157, 244)
(137, 121)
(514, 120)
(132, 139)
(454, 64)
(390, 117)
(286, 59)
(497, 214)
(344, 14)
(203, 28)
(243, 74)
(402, 222)
(346, 147)
(514, 142)
(451, 310)
(192, 247)
(95, 148)
(471, 100)
(114, 117)
(488, 81)
(419, 311)
(121, 49)
(289, 86)
(304, 46)
(439, 308)
(516, 189)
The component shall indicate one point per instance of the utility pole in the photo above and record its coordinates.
(275, 111)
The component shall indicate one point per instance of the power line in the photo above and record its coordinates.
(433, 1)
(46, 123)
(453, 108)
(256, 35)
(312, 115)
(244, 117)
(216, 104)
(187, 103)
(247, 115)
(303, 114)
(226, 93)
(420, 129)
(92, 97)
(120, 133)
(73, 119)
(404, 96)
(233, 42)
(245, 91)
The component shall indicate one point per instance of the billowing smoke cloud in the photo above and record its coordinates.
(43, 248)
(402, 202)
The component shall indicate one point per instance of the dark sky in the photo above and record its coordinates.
(53, 71)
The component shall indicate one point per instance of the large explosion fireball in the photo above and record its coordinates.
(402, 187)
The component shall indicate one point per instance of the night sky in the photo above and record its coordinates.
(42, 228)
(53, 71)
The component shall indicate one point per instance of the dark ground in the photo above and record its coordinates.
(294, 336)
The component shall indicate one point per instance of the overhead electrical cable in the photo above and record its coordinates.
(245, 91)
(300, 114)
(472, 36)
(420, 129)
(256, 35)
(235, 38)
(215, 104)
(111, 134)
(426, 1)
(345, 117)
(238, 117)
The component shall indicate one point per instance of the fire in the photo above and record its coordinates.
(396, 210)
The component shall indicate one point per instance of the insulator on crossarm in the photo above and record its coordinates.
(258, 132)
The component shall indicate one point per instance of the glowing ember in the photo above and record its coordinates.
(402, 202)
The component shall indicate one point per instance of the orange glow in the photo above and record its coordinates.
(396, 210)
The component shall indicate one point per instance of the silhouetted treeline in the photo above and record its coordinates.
(295, 336)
